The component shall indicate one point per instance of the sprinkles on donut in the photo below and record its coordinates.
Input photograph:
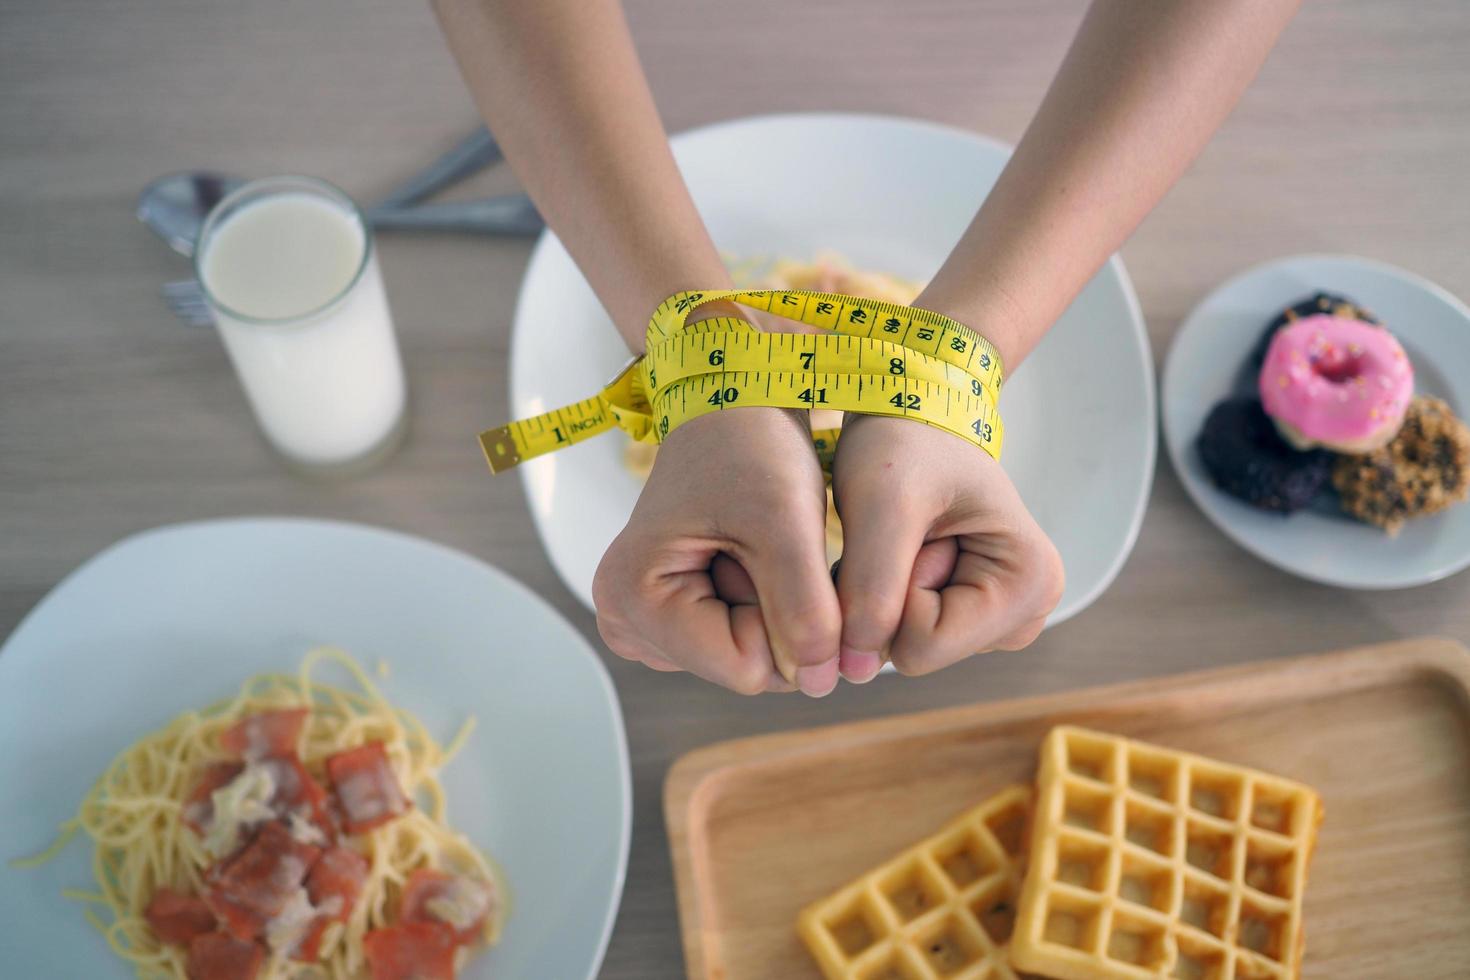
(1335, 383)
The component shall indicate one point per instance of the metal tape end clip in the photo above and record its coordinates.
(500, 449)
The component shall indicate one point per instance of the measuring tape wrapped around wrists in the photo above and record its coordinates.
(874, 358)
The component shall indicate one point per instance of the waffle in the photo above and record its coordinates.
(1147, 862)
(942, 909)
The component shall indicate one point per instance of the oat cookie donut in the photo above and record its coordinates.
(1423, 470)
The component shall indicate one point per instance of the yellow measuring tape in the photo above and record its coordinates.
(876, 359)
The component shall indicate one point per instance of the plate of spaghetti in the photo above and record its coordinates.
(291, 750)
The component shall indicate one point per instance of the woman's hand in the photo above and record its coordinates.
(940, 559)
(722, 568)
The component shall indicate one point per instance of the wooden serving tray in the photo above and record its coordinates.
(760, 827)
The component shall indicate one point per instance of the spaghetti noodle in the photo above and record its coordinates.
(137, 815)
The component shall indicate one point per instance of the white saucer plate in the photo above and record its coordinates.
(1205, 361)
(176, 618)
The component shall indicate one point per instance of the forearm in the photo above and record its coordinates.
(1142, 89)
(560, 85)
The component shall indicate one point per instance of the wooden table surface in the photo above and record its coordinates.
(114, 418)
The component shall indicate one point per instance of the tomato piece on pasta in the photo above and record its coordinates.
(309, 950)
(310, 946)
(367, 791)
(411, 951)
(266, 734)
(459, 901)
(176, 917)
(198, 809)
(252, 888)
(298, 795)
(220, 956)
(333, 885)
(339, 876)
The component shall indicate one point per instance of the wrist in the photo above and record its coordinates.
(890, 426)
(718, 308)
(760, 426)
(635, 334)
(997, 317)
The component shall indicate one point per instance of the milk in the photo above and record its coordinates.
(292, 278)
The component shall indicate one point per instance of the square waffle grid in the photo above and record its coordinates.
(1148, 862)
(941, 910)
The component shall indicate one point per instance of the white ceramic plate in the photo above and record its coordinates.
(1205, 363)
(891, 195)
(176, 618)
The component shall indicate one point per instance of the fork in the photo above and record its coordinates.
(185, 299)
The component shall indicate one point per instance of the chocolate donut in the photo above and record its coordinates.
(1248, 459)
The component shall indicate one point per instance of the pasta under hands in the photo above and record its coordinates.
(426, 897)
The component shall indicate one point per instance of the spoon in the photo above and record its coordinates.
(175, 206)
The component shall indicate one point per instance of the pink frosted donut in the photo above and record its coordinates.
(1338, 383)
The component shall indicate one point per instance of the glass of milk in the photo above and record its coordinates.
(290, 272)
